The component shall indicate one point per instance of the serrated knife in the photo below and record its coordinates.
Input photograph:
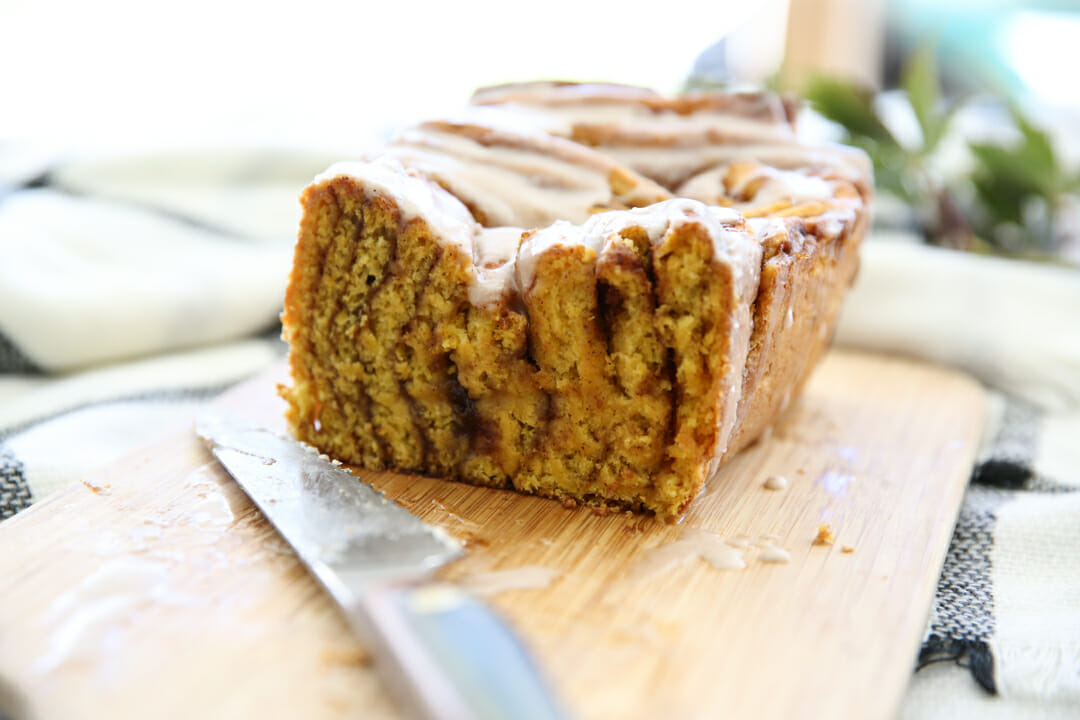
(441, 653)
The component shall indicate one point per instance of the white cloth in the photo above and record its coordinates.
(1013, 325)
(125, 256)
(132, 289)
(87, 281)
(248, 193)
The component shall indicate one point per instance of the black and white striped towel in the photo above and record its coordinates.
(132, 289)
(1007, 611)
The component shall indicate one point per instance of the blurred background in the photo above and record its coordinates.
(336, 76)
(121, 71)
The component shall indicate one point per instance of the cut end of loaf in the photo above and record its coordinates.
(612, 379)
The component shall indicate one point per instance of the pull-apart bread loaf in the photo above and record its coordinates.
(494, 301)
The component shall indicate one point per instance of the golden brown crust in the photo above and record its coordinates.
(803, 280)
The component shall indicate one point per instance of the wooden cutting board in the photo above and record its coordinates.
(154, 589)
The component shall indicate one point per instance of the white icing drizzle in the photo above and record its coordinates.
(496, 271)
(632, 113)
(670, 141)
(776, 482)
(213, 507)
(101, 608)
(790, 186)
(793, 187)
(494, 251)
(672, 166)
(513, 174)
(694, 543)
(514, 178)
(495, 247)
(491, 250)
(832, 223)
(635, 120)
(730, 244)
(705, 186)
(536, 243)
(774, 554)
(414, 196)
(766, 227)
(543, 92)
(526, 577)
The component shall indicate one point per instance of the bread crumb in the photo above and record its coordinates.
(824, 535)
(354, 655)
(96, 488)
(847, 549)
(472, 540)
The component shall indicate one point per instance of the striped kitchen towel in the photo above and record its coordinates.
(132, 288)
(1007, 610)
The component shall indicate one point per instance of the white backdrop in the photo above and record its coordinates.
(122, 72)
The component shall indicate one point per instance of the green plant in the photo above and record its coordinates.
(1023, 191)
(1014, 196)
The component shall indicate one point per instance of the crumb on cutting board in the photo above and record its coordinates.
(825, 535)
(340, 655)
(848, 549)
(97, 488)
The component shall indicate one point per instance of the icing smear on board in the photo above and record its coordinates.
(693, 544)
(94, 615)
(137, 569)
(526, 577)
(722, 553)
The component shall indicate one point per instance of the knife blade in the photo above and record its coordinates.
(441, 653)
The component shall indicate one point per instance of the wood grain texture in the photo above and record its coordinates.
(156, 590)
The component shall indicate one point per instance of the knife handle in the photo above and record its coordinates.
(446, 656)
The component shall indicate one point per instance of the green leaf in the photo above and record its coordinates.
(920, 82)
(1037, 152)
(1000, 199)
(850, 106)
(891, 171)
(1018, 168)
